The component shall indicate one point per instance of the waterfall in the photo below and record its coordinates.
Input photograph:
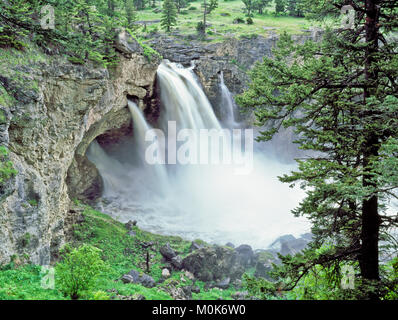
(206, 201)
(228, 104)
(185, 101)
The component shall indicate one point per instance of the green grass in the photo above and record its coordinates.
(24, 283)
(222, 26)
(122, 253)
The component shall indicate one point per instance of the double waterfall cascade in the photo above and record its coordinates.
(195, 200)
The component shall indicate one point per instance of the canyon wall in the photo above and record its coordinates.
(47, 129)
(58, 108)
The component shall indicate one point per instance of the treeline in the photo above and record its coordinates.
(83, 29)
(293, 8)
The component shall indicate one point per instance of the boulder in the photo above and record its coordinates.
(136, 277)
(245, 254)
(223, 284)
(288, 244)
(127, 45)
(167, 252)
(176, 262)
(213, 263)
(230, 244)
(129, 225)
(195, 289)
(195, 245)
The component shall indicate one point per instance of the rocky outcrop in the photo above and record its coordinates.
(234, 57)
(214, 263)
(288, 244)
(48, 130)
(141, 278)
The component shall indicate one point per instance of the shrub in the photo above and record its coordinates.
(100, 295)
(200, 27)
(6, 167)
(238, 20)
(249, 20)
(79, 270)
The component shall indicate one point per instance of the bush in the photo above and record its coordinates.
(192, 8)
(79, 270)
(238, 20)
(249, 20)
(6, 167)
(200, 27)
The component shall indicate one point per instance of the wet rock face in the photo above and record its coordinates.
(135, 277)
(288, 244)
(233, 56)
(47, 134)
(213, 263)
(84, 180)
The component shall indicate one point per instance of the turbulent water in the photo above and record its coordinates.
(210, 202)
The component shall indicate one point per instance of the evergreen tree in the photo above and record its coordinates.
(169, 15)
(260, 5)
(295, 8)
(212, 5)
(341, 96)
(140, 4)
(280, 6)
(180, 4)
(249, 6)
(131, 15)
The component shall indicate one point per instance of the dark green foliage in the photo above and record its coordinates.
(341, 96)
(78, 270)
(140, 4)
(260, 5)
(280, 6)
(200, 27)
(84, 29)
(249, 7)
(169, 15)
(131, 15)
(295, 8)
(180, 4)
(212, 5)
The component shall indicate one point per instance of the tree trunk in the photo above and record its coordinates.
(369, 260)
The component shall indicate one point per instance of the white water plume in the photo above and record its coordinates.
(209, 202)
(228, 105)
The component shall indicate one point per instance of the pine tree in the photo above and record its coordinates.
(280, 6)
(260, 5)
(295, 8)
(131, 14)
(169, 15)
(180, 4)
(212, 6)
(341, 96)
(249, 6)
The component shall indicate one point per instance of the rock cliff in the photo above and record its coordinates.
(47, 129)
